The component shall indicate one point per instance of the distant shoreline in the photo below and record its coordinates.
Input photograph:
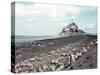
(25, 39)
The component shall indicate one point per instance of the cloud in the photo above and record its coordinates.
(49, 10)
(92, 29)
(54, 12)
(83, 25)
(25, 10)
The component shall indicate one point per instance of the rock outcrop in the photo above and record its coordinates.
(71, 29)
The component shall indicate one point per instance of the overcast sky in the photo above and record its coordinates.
(49, 19)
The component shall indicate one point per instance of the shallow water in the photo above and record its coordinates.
(32, 38)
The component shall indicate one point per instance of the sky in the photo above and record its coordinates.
(39, 19)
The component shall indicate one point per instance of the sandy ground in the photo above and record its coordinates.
(68, 53)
